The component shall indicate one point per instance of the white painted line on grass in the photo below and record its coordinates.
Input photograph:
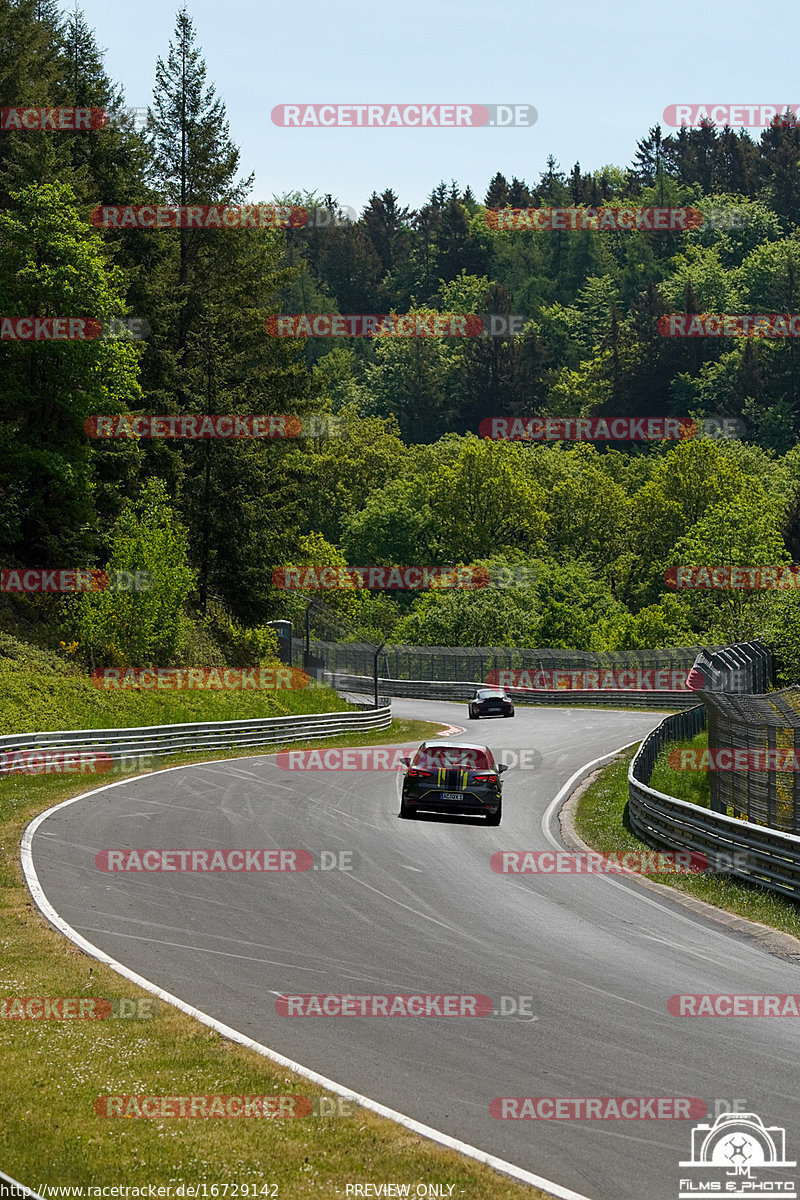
(426, 1131)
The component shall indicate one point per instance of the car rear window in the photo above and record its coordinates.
(491, 695)
(442, 757)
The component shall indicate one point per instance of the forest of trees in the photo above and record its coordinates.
(407, 479)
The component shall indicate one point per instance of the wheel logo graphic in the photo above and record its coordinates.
(733, 1153)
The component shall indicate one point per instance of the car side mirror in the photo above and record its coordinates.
(406, 762)
(502, 767)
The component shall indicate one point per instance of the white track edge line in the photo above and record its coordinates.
(381, 1110)
(567, 789)
(29, 1192)
(670, 904)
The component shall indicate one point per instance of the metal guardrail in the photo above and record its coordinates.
(11, 1190)
(423, 689)
(743, 849)
(205, 735)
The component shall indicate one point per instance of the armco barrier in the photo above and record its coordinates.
(423, 689)
(762, 855)
(206, 735)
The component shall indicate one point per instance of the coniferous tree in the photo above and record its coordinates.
(108, 164)
(647, 160)
(32, 69)
(214, 289)
(519, 195)
(497, 193)
(385, 221)
(778, 166)
(552, 189)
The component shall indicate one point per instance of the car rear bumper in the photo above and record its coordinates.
(468, 803)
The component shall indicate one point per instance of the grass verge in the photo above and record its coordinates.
(54, 1070)
(691, 786)
(42, 691)
(601, 820)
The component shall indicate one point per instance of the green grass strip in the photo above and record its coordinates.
(601, 820)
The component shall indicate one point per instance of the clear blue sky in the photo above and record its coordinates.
(599, 75)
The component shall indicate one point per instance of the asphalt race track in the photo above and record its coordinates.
(422, 912)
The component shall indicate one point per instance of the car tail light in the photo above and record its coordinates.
(417, 773)
(485, 777)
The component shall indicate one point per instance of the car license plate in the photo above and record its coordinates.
(452, 795)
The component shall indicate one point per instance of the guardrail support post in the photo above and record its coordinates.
(375, 671)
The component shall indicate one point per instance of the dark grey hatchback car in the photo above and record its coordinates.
(490, 702)
(453, 777)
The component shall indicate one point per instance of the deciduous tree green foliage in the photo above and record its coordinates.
(408, 479)
(139, 626)
(53, 265)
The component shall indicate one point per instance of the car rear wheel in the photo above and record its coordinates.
(406, 811)
(495, 818)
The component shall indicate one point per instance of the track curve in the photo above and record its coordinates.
(422, 912)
